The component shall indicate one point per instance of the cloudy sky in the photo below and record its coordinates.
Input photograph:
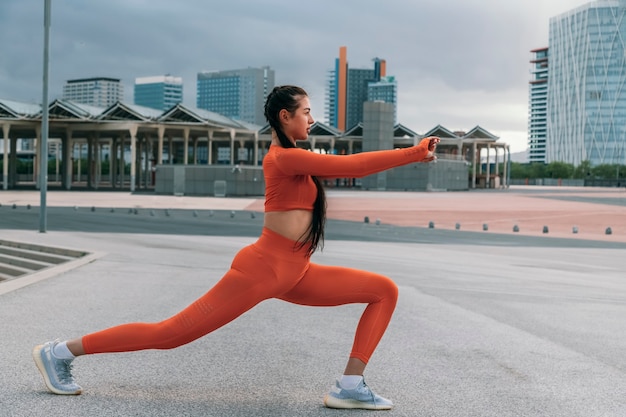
(458, 63)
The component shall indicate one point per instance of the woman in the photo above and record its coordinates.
(277, 265)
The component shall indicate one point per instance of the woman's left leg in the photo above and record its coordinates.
(334, 285)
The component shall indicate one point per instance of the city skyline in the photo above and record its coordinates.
(458, 64)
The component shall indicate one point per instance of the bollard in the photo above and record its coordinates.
(135, 211)
(195, 213)
(377, 222)
(93, 208)
(366, 219)
(167, 213)
(545, 229)
(575, 229)
(27, 206)
(516, 228)
(75, 208)
(130, 211)
(14, 206)
(431, 225)
(485, 227)
(232, 214)
(252, 215)
(608, 231)
(211, 213)
(457, 226)
(112, 210)
(152, 213)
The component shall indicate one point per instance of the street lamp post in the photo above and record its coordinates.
(43, 155)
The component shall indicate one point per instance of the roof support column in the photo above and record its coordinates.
(146, 161)
(475, 161)
(38, 154)
(194, 140)
(13, 163)
(161, 134)
(98, 162)
(170, 150)
(5, 158)
(499, 184)
(90, 142)
(507, 161)
(488, 177)
(209, 148)
(68, 147)
(232, 146)
(133, 156)
(255, 156)
(186, 141)
(122, 162)
(112, 162)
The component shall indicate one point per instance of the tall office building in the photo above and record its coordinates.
(348, 88)
(99, 92)
(587, 85)
(238, 94)
(537, 106)
(385, 90)
(160, 92)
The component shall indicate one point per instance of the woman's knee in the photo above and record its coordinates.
(387, 288)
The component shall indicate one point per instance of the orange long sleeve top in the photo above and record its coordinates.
(288, 171)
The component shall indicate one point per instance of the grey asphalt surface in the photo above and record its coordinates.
(486, 325)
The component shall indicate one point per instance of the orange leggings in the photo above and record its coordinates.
(268, 268)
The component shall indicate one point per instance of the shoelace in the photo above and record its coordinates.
(64, 371)
(365, 389)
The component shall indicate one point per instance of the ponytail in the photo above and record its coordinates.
(286, 97)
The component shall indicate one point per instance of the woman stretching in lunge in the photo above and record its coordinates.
(277, 265)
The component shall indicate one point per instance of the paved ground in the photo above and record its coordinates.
(488, 324)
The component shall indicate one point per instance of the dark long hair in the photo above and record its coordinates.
(288, 97)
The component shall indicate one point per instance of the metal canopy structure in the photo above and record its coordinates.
(126, 134)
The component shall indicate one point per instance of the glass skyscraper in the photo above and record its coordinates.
(587, 85)
(537, 106)
(348, 88)
(160, 92)
(238, 94)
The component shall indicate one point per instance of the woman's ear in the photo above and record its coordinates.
(283, 116)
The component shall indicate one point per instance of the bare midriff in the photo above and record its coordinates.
(292, 224)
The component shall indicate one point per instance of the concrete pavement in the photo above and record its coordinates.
(486, 324)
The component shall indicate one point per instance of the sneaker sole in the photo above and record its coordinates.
(44, 374)
(332, 402)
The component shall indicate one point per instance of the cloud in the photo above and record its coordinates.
(457, 62)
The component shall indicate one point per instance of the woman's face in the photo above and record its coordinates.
(298, 125)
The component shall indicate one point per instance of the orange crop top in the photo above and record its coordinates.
(288, 171)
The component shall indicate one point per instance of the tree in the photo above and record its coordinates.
(559, 170)
(605, 171)
(537, 170)
(583, 170)
(519, 171)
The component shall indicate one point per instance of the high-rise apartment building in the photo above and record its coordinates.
(238, 94)
(348, 88)
(99, 92)
(587, 85)
(160, 92)
(537, 106)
